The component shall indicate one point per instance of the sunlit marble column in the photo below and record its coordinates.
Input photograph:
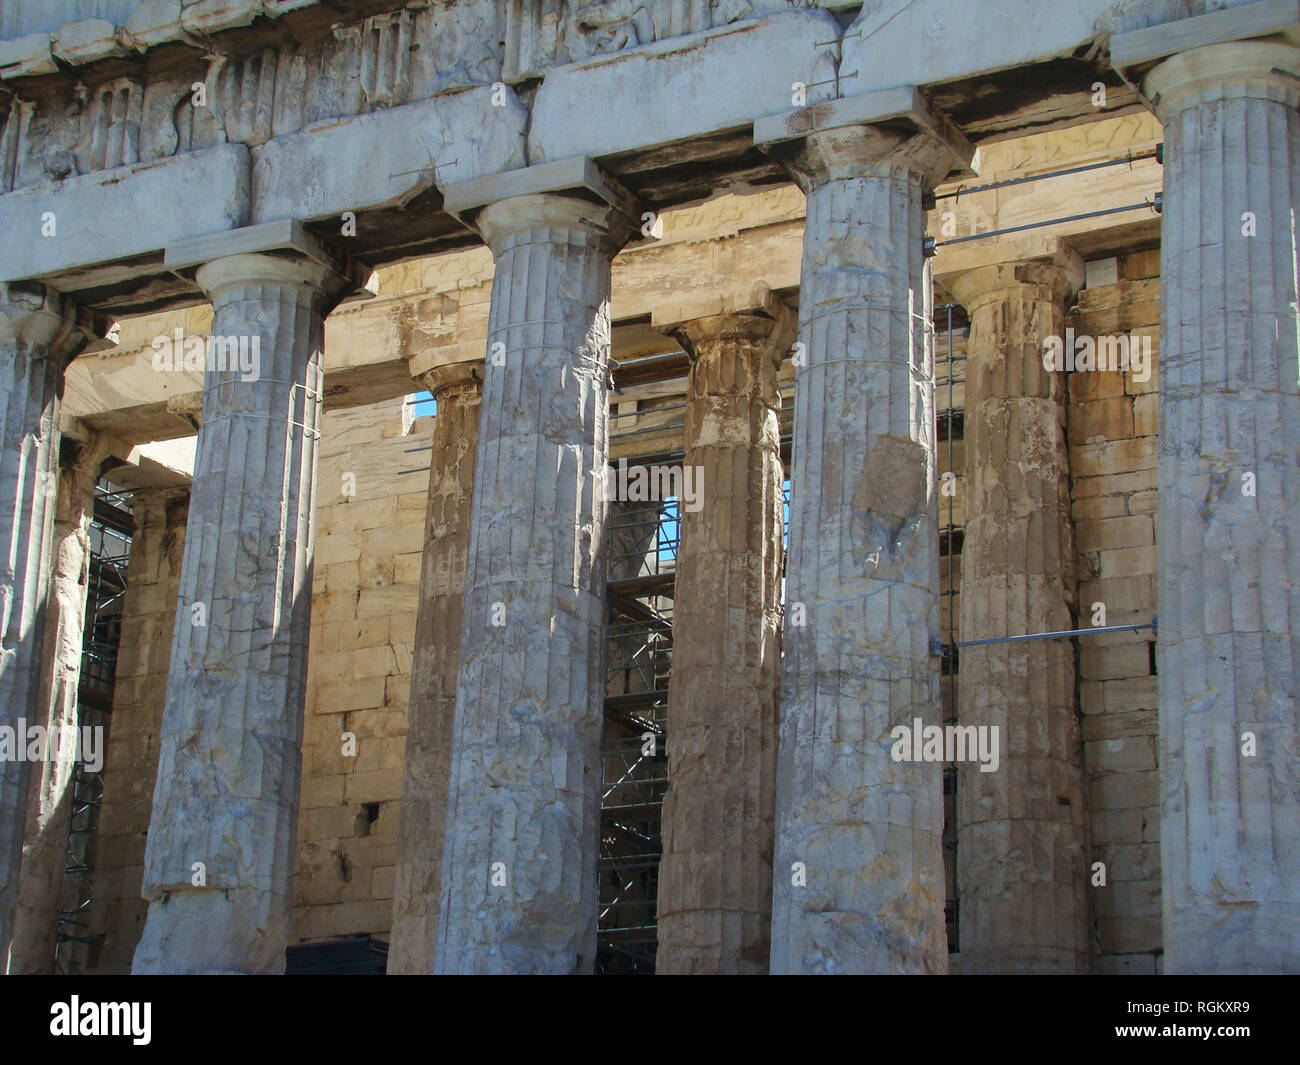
(39, 334)
(518, 889)
(219, 861)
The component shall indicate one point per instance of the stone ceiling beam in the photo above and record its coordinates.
(107, 230)
(372, 351)
(700, 84)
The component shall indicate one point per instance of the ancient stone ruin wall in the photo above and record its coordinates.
(368, 550)
(1112, 426)
(556, 183)
(370, 535)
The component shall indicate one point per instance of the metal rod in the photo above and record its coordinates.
(1053, 635)
(1050, 222)
(952, 623)
(649, 410)
(1130, 159)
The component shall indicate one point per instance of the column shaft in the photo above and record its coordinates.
(715, 879)
(1229, 509)
(1021, 838)
(36, 340)
(858, 883)
(519, 861)
(219, 862)
(49, 798)
(435, 663)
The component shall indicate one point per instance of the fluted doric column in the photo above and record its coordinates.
(519, 862)
(458, 390)
(715, 879)
(39, 334)
(858, 883)
(49, 798)
(219, 861)
(1021, 827)
(1229, 510)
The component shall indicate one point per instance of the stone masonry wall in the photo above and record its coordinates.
(1112, 434)
(369, 538)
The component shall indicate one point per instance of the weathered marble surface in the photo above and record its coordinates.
(1022, 842)
(49, 796)
(519, 862)
(1229, 592)
(38, 335)
(219, 862)
(435, 664)
(715, 879)
(858, 882)
(706, 84)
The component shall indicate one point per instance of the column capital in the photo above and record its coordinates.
(1208, 56)
(856, 151)
(755, 314)
(852, 136)
(975, 274)
(1261, 70)
(42, 320)
(454, 377)
(83, 448)
(565, 192)
(282, 251)
(514, 219)
(430, 336)
(219, 275)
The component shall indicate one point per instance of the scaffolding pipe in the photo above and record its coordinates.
(1130, 159)
(1054, 635)
(931, 245)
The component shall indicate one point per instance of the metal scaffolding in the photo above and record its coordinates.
(642, 567)
(950, 428)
